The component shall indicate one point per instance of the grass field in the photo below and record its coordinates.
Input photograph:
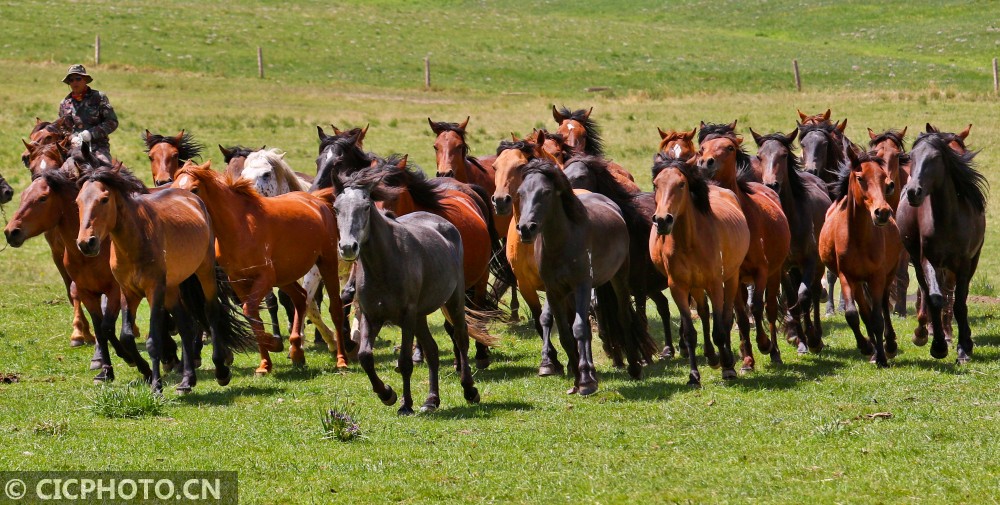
(782, 434)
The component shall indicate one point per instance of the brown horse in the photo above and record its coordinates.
(861, 243)
(721, 157)
(168, 154)
(45, 132)
(552, 143)
(888, 145)
(162, 249)
(234, 157)
(290, 234)
(943, 223)
(699, 242)
(804, 200)
(582, 135)
(453, 159)
(677, 145)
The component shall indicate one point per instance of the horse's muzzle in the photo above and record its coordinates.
(349, 249)
(14, 237)
(527, 232)
(915, 196)
(446, 173)
(503, 205)
(881, 216)
(664, 225)
(90, 247)
(164, 182)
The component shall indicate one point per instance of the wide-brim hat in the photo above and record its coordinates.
(77, 70)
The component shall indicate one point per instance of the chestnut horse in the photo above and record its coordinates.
(582, 244)
(407, 268)
(162, 249)
(721, 157)
(582, 136)
(677, 145)
(168, 154)
(804, 200)
(451, 152)
(700, 241)
(888, 145)
(861, 243)
(552, 143)
(289, 234)
(942, 221)
(45, 132)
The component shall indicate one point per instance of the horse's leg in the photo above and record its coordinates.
(423, 334)
(92, 302)
(682, 299)
(851, 293)
(760, 284)
(663, 309)
(885, 305)
(706, 327)
(81, 327)
(934, 300)
(454, 312)
(947, 311)
(271, 302)
(369, 331)
(328, 267)
(743, 322)
(831, 280)
(902, 284)
(479, 296)
(406, 362)
(289, 306)
(723, 298)
(251, 297)
(871, 313)
(297, 296)
(961, 310)
(627, 318)
(549, 364)
(792, 282)
(586, 372)
(129, 332)
(771, 306)
(188, 330)
(157, 334)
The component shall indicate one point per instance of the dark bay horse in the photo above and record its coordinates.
(860, 242)
(804, 200)
(699, 243)
(234, 157)
(168, 154)
(403, 290)
(163, 250)
(942, 220)
(583, 136)
(291, 233)
(581, 243)
(721, 158)
(340, 154)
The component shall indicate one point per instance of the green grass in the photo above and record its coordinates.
(801, 432)
(132, 400)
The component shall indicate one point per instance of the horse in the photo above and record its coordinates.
(804, 200)
(860, 241)
(582, 243)
(162, 249)
(942, 222)
(403, 290)
(699, 242)
(552, 143)
(592, 174)
(48, 205)
(6, 192)
(677, 145)
(339, 154)
(721, 158)
(169, 154)
(451, 152)
(45, 132)
(289, 234)
(583, 136)
(234, 157)
(889, 145)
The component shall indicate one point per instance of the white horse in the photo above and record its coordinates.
(271, 176)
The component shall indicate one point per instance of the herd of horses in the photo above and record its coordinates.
(739, 238)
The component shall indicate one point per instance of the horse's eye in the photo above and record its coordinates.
(682, 185)
(150, 157)
(105, 199)
(43, 199)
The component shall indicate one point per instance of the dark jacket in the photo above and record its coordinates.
(92, 113)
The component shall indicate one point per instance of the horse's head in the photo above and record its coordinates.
(821, 118)
(339, 154)
(450, 149)
(543, 186)
(956, 141)
(511, 157)
(103, 190)
(267, 179)
(167, 154)
(820, 148)
(42, 205)
(777, 160)
(580, 175)
(677, 186)
(46, 156)
(45, 132)
(717, 156)
(6, 192)
(574, 126)
(868, 182)
(678, 145)
(354, 207)
(235, 157)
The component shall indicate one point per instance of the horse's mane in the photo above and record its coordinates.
(744, 166)
(453, 127)
(948, 136)
(412, 179)
(608, 186)
(572, 206)
(273, 158)
(187, 149)
(697, 185)
(521, 145)
(58, 126)
(237, 151)
(969, 182)
(346, 142)
(897, 138)
(117, 177)
(369, 179)
(59, 181)
(720, 129)
(841, 187)
(794, 163)
(595, 144)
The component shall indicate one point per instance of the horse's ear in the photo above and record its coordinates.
(587, 115)
(902, 134)
(930, 129)
(662, 133)
(207, 165)
(852, 155)
(733, 124)
(38, 120)
(871, 134)
(361, 136)
(28, 145)
(791, 136)
(402, 162)
(756, 138)
(149, 136)
(556, 115)
(226, 153)
(322, 134)
(179, 137)
(514, 138)
(465, 123)
(547, 156)
(739, 140)
(798, 125)
(336, 131)
(841, 125)
(965, 133)
(802, 116)
(434, 127)
(701, 124)
(690, 135)
(826, 115)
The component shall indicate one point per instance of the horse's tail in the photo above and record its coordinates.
(476, 320)
(619, 334)
(233, 330)
(503, 274)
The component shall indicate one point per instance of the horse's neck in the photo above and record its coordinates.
(557, 233)
(68, 225)
(127, 232)
(726, 177)
(860, 225)
(230, 217)
(685, 230)
(944, 205)
(378, 252)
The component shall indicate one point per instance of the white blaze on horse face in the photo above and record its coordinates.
(44, 165)
(677, 151)
(570, 126)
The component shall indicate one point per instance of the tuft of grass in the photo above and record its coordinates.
(50, 427)
(131, 401)
(983, 285)
(338, 424)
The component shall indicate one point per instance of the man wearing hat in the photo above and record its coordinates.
(91, 113)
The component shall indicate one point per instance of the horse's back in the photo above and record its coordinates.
(730, 228)
(609, 236)
(179, 223)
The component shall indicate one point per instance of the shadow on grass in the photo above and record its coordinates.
(485, 410)
(228, 395)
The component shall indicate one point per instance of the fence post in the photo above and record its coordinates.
(260, 62)
(798, 78)
(97, 51)
(427, 72)
(996, 77)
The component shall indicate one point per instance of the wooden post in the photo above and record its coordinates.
(97, 51)
(996, 77)
(798, 78)
(427, 72)
(260, 62)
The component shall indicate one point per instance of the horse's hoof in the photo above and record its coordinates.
(587, 389)
(939, 352)
(261, 372)
(224, 379)
(667, 353)
(802, 348)
(404, 411)
(817, 348)
(472, 395)
(341, 364)
(776, 360)
(745, 369)
(389, 397)
(891, 349)
(96, 364)
(106, 375)
(881, 363)
(635, 371)
(430, 405)
(482, 363)
(866, 348)
(514, 317)
(548, 369)
(919, 336)
(77, 342)
(694, 382)
(298, 357)
(729, 374)
(182, 390)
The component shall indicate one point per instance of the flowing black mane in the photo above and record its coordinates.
(969, 183)
(572, 206)
(412, 179)
(607, 185)
(592, 132)
(117, 178)
(349, 158)
(59, 181)
(841, 187)
(187, 149)
(794, 163)
(697, 185)
(521, 145)
(236, 151)
(718, 129)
